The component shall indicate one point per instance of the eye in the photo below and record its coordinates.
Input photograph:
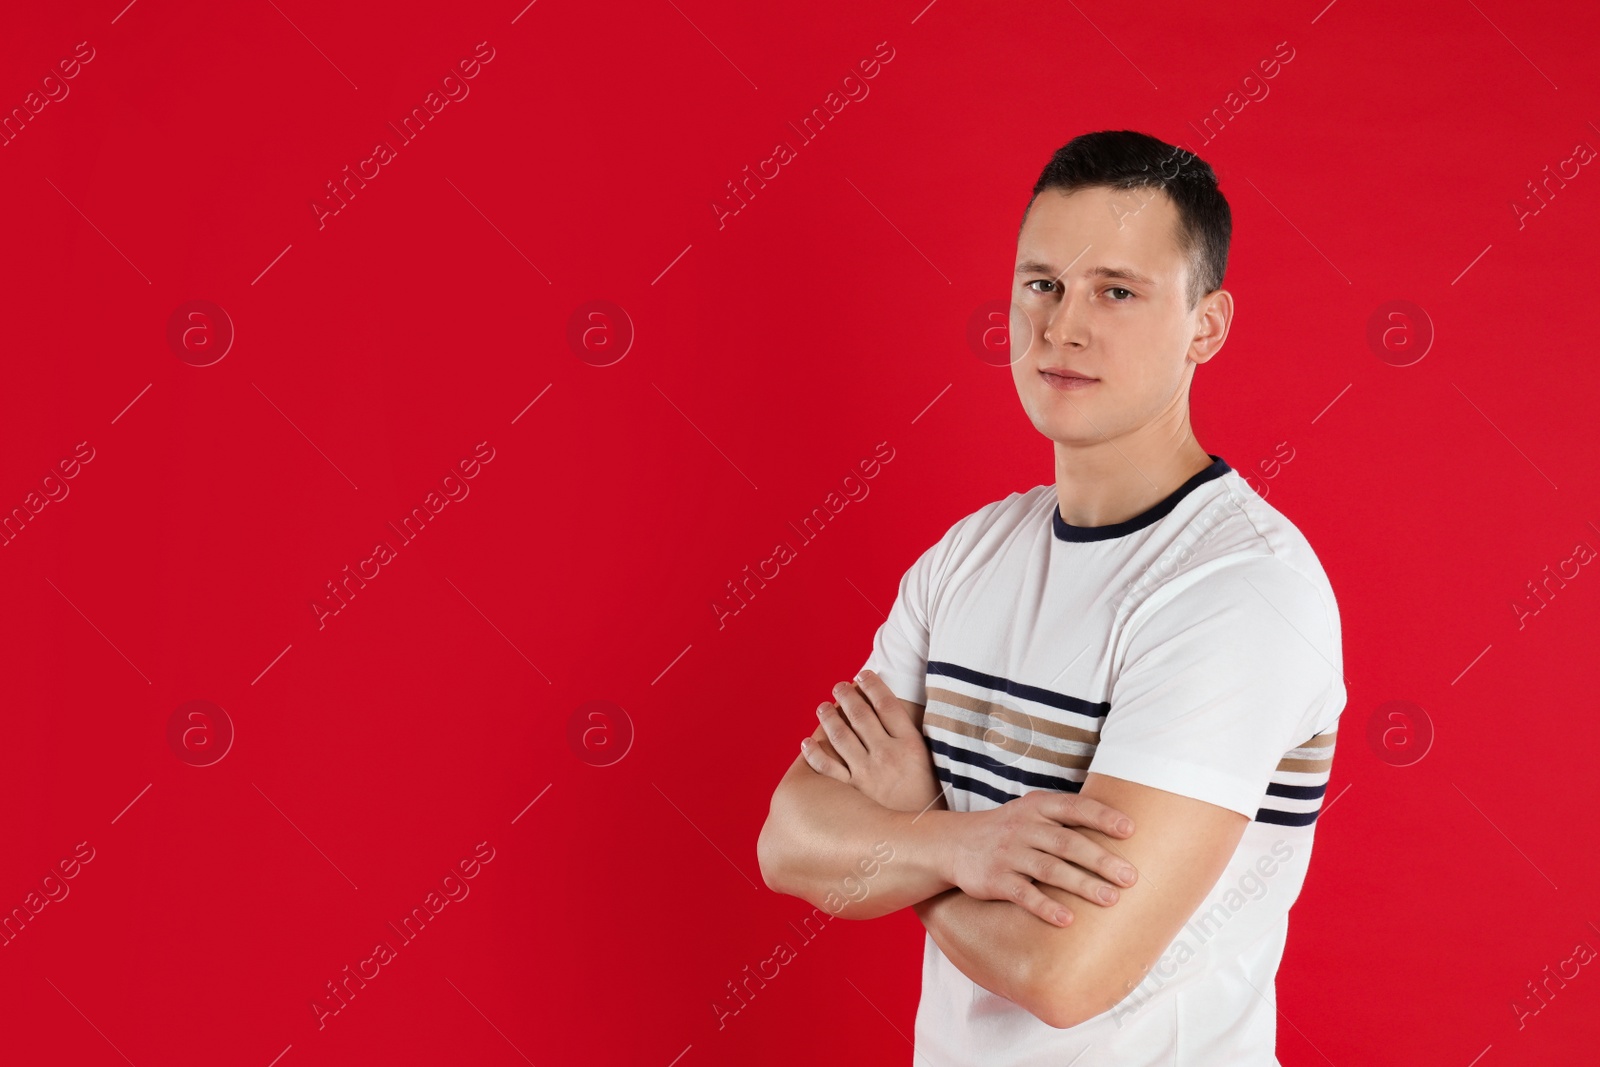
(1119, 289)
(1038, 281)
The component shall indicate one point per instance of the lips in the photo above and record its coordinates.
(1067, 380)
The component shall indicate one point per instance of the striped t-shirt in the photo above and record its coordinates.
(1194, 648)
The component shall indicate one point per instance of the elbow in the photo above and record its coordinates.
(1058, 1011)
(1040, 988)
(783, 870)
(1059, 1014)
(1062, 1000)
(779, 854)
(770, 855)
(1053, 1008)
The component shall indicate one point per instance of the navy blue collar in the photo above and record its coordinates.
(1065, 531)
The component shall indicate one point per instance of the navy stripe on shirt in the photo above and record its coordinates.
(972, 785)
(1004, 770)
(1296, 792)
(1027, 692)
(1037, 780)
(1287, 818)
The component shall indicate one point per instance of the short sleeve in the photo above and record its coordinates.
(1221, 678)
(900, 647)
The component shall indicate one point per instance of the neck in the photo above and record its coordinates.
(1106, 482)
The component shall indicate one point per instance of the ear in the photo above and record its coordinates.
(1214, 315)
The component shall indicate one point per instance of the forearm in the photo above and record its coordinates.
(997, 944)
(989, 941)
(827, 843)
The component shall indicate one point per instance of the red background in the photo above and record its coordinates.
(771, 355)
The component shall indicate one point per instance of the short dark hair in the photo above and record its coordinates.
(1125, 159)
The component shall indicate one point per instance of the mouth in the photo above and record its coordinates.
(1067, 380)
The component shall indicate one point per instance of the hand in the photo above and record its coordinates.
(876, 747)
(1000, 853)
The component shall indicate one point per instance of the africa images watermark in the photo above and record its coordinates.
(1540, 995)
(54, 90)
(855, 890)
(383, 553)
(55, 490)
(1539, 596)
(53, 889)
(1202, 927)
(811, 126)
(810, 528)
(455, 89)
(1203, 526)
(452, 886)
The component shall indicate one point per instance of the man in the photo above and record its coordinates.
(1147, 641)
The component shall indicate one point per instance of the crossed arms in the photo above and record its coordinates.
(999, 891)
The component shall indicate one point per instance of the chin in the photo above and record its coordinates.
(1065, 430)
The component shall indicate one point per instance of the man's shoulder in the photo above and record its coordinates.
(997, 516)
(1230, 538)
(1248, 598)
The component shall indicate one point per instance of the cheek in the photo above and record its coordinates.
(1024, 374)
(1023, 332)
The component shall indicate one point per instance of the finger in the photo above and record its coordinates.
(822, 763)
(820, 738)
(862, 715)
(1046, 868)
(1084, 854)
(892, 712)
(1031, 898)
(1072, 809)
(845, 742)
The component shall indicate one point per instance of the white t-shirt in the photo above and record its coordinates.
(1194, 648)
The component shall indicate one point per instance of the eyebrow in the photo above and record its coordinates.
(1121, 273)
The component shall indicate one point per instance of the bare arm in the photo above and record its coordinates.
(859, 826)
(822, 837)
(1067, 975)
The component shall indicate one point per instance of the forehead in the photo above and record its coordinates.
(1097, 224)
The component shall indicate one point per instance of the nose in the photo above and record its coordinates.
(1065, 324)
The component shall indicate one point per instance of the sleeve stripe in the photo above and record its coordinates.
(1286, 818)
(982, 743)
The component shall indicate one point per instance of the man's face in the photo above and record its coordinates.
(1100, 290)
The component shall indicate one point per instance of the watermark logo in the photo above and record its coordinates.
(599, 732)
(199, 733)
(200, 333)
(989, 332)
(1400, 733)
(1008, 735)
(1400, 333)
(600, 333)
